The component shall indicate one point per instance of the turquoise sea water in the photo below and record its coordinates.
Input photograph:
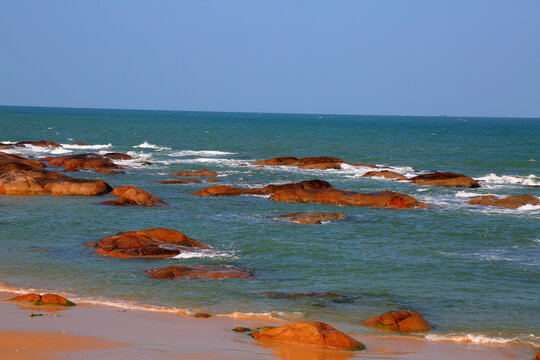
(472, 271)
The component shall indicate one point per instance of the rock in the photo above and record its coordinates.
(201, 271)
(12, 162)
(130, 195)
(118, 156)
(80, 144)
(446, 179)
(373, 166)
(384, 199)
(202, 315)
(180, 181)
(537, 356)
(43, 182)
(198, 173)
(321, 162)
(314, 217)
(241, 329)
(509, 202)
(84, 161)
(309, 333)
(151, 243)
(46, 299)
(269, 189)
(404, 321)
(387, 174)
(107, 171)
(211, 180)
(40, 143)
(279, 161)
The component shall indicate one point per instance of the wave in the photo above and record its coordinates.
(87, 147)
(203, 160)
(206, 253)
(467, 194)
(529, 339)
(200, 153)
(527, 180)
(147, 145)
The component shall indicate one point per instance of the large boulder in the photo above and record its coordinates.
(196, 173)
(201, 271)
(509, 202)
(269, 189)
(387, 174)
(45, 299)
(279, 161)
(40, 143)
(445, 179)
(314, 217)
(404, 321)
(10, 162)
(384, 199)
(43, 182)
(151, 243)
(118, 156)
(130, 195)
(309, 333)
(320, 162)
(82, 161)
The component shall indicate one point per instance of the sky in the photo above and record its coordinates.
(412, 57)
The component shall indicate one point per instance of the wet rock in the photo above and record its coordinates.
(445, 179)
(82, 161)
(43, 182)
(180, 181)
(384, 199)
(509, 202)
(211, 180)
(118, 156)
(130, 195)
(151, 243)
(269, 189)
(404, 321)
(314, 217)
(40, 143)
(201, 271)
(309, 333)
(387, 174)
(108, 171)
(241, 329)
(373, 166)
(279, 161)
(197, 173)
(14, 162)
(46, 299)
(202, 315)
(319, 162)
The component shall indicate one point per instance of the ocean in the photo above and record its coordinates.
(472, 271)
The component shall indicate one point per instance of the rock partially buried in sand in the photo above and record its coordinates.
(201, 271)
(269, 189)
(404, 321)
(197, 173)
(45, 299)
(130, 195)
(383, 199)
(387, 174)
(314, 217)
(202, 316)
(309, 333)
(151, 243)
(445, 179)
(43, 182)
(509, 202)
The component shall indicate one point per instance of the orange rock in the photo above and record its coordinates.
(198, 173)
(14, 162)
(41, 143)
(445, 179)
(211, 180)
(404, 321)
(509, 202)
(348, 198)
(180, 181)
(312, 333)
(146, 243)
(537, 356)
(83, 161)
(202, 315)
(201, 271)
(130, 195)
(118, 156)
(107, 171)
(46, 299)
(269, 189)
(320, 162)
(314, 217)
(387, 174)
(279, 161)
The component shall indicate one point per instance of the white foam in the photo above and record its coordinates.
(202, 160)
(147, 145)
(421, 190)
(200, 153)
(87, 147)
(528, 207)
(467, 194)
(470, 338)
(205, 253)
(510, 179)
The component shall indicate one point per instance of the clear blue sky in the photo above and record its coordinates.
(455, 57)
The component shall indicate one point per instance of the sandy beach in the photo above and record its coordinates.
(101, 332)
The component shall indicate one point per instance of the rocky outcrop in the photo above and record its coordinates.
(319, 162)
(201, 271)
(130, 195)
(118, 156)
(82, 161)
(509, 202)
(151, 243)
(45, 299)
(445, 179)
(12, 162)
(384, 199)
(180, 181)
(197, 173)
(269, 189)
(403, 321)
(387, 174)
(314, 217)
(309, 333)
(40, 143)
(43, 182)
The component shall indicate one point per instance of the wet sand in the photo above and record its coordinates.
(102, 332)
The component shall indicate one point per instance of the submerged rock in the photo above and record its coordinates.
(152, 243)
(384, 199)
(45, 299)
(445, 179)
(314, 217)
(404, 321)
(197, 173)
(130, 195)
(309, 333)
(269, 189)
(201, 271)
(82, 161)
(509, 202)
(387, 174)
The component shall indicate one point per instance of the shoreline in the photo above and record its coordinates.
(90, 331)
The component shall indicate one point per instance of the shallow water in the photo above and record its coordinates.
(469, 269)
